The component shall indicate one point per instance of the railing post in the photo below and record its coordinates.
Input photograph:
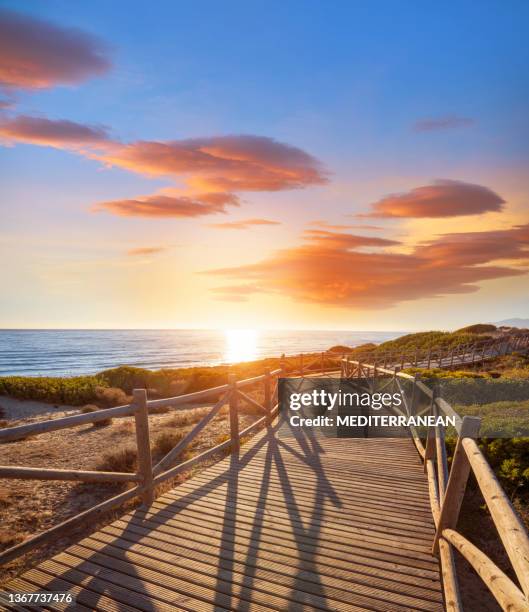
(301, 368)
(268, 396)
(141, 417)
(429, 357)
(457, 481)
(413, 394)
(402, 361)
(429, 452)
(234, 414)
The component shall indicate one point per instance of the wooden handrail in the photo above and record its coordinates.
(509, 526)
(31, 473)
(507, 594)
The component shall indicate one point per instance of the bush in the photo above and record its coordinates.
(102, 423)
(340, 349)
(478, 328)
(111, 396)
(166, 441)
(75, 391)
(89, 408)
(122, 460)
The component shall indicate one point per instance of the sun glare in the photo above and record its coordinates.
(241, 345)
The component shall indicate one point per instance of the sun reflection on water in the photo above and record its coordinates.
(241, 345)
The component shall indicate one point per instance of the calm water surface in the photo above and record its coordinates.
(73, 352)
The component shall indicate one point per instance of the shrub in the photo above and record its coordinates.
(89, 408)
(166, 441)
(102, 423)
(122, 460)
(111, 396)
(477, 328)
(340, 348)
(76, 391)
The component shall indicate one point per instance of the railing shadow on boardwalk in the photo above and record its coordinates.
(303, 527)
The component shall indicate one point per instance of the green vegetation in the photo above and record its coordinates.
(478, 328)
(74, 391)
(426, 340)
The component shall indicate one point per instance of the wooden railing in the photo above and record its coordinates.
(447, 487)
(148, 476)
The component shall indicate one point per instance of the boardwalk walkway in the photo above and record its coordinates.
(294, 523)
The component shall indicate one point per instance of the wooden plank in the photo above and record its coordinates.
(277, 567)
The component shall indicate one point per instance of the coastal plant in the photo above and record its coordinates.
(121, 460)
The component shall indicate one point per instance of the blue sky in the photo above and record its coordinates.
(345, 82)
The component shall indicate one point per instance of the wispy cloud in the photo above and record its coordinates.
(339, 226)
(443, 198)
(146, 251)
(331, 269)
(243, 224)
(35, 54)
(176, 206)
(447, 122)
(60, 133)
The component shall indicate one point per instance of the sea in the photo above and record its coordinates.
(77, 352)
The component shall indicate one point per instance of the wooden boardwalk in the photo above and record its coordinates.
(293, 523)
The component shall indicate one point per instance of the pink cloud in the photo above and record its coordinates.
(222, 163)
(54, 133)
(35, 54)
(443, 198)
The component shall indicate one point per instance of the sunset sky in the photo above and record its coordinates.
(309, 165)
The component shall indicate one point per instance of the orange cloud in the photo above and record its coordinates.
(243, 224)
(61, 134)
(329, 268)
(443, 198)
(35, 54)
(179, 206)
(447, 122)
(145, 251)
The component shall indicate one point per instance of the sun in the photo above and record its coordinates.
(241, 345)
